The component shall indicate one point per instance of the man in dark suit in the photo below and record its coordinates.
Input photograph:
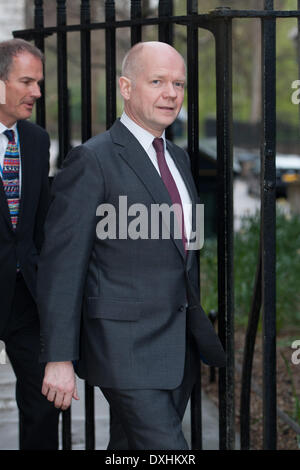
(118, 293)
(24, 200)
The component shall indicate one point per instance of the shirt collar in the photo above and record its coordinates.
(4, 128)
(144, 137)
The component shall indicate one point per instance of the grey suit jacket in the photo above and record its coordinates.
(118, 306)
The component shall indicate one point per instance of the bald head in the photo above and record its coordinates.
(152, 85)
(133, 61)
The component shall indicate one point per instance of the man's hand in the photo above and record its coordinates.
(59, 384)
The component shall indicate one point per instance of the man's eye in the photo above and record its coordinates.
(179, 84)
(156, 82)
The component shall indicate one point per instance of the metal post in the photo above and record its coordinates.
(248, 359)
(223, 35)
(86, 100)
(86, 132)
(110, 53)
(165, 30)
(62, 86)
(136, 13)
(89, 417)
(63, 137)
(268, 226)
(40, 43)
(193, 151)
(193, 91)
(165, 34)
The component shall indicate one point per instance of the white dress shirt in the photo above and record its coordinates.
(145, 138)
(3, 145)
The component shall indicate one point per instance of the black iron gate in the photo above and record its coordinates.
(219, 23)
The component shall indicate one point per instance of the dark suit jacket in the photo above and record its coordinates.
(24, 244)
(118, 306)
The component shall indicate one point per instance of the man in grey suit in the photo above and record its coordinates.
(118, 294)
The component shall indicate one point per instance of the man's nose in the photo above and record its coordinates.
(36, 91)
(170, 90)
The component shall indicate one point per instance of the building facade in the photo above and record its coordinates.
(12, 17)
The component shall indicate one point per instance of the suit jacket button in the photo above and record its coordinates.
(181, 308)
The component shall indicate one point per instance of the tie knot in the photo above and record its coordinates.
(158, 144)
(10, 135)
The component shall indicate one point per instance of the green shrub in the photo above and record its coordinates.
(246, 243)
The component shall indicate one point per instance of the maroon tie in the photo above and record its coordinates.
(170, 184)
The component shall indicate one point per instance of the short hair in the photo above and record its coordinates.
(12, 48)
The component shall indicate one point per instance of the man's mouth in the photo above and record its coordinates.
(30, 104)
(166, 108)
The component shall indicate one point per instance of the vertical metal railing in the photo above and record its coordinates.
(110, 64)
(192, 53)
(193, 151)
(165, 30)
(86, 83)
(136, 13)
(268, 227)
(223, 37)
(264, 296)
(165, 34)
(248, 358)
(86, 133)
(63, 143)
(40, 43)
(62, 83)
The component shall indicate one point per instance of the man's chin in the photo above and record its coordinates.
(168, 118)
(25, 115)
(167, 122)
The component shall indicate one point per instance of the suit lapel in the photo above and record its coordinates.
(135, 156)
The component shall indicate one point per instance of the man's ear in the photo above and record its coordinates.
(125, 87)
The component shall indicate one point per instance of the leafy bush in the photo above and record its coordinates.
(246, 244)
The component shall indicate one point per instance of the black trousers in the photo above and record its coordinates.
(38, 417)
(152, 419)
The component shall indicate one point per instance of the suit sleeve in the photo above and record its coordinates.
(70, 231)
